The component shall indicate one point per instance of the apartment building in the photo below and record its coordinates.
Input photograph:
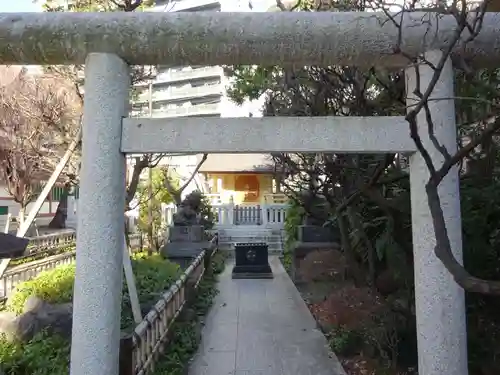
(189, 90)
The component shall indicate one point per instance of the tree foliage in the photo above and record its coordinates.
(159, 195)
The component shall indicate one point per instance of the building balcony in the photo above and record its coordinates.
(193, 110)
(177, 93)
(169, 75)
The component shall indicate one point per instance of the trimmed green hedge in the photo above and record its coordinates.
(46, 355)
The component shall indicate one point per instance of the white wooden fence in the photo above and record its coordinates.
(140, 352)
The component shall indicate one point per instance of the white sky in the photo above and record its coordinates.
(29, 6)
(20, 6)
(262, 5)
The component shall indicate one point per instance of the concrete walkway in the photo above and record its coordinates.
(262, 327)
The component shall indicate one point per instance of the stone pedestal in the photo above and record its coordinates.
(71, 219)
(184, 244)
(251, 261)
(315, 233)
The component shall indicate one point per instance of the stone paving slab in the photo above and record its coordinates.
(262, 327)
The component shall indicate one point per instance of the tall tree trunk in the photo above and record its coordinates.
(59, 219)
(356, 224)
(140, 164)
(21, 215)
(353, 267)
(127, 235)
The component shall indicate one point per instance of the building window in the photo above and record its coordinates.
(199, 101)
(57, 193)
(4, 210)
(208, 83)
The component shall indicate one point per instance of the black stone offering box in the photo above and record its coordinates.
(252, 261)
(12, 246)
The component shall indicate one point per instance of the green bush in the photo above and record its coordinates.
(219, 262)
(160, 195)
(44, 355)
(293, 219)
(344, 342)
(54, 286)
(153, 276)
(50, 355)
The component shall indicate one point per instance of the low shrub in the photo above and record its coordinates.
(46, 355)
(153, 276)
(43, 355)
(293, 219)
(219, 262)
(54, 286)
(287, 260)
(344, 342)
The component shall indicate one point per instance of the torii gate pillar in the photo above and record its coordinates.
(99, 254)
(439, 300)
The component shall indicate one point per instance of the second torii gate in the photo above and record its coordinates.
(109, 43)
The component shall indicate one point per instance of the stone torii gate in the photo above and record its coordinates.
(107, 43)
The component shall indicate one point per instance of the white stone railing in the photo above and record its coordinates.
(140, 351)
(27, 271)
(48, 241)
(227, 215)
(275, 214)
(217, 199)
(247, 215)
(63, 238)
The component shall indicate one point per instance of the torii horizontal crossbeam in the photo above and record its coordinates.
(214, 38)
(267, 135)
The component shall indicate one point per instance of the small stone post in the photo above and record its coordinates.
(71, 214)
(99, 248)
(440, 305)
(264, 212)
(230, 212)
